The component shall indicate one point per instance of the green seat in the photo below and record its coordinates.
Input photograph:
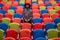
(22, 2)
(40, 2)
(14, 26)
(52, 11)
(1, 34)
(53, 2)
(34, 0)
(11, 12)
(42, 8)
(58, 25)
(10, 3)
(52, 33)
(6, 20)
(57, 8)
(5, 0)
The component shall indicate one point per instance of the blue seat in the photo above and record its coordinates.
(13, 8)
(48, 4)
(43, 11)
(4, 27)
(40, 38)
(3, 11)
(45, 0)
(16, 15)
(38, 33)
(21, 4)
(57, 0)
(37, 20)
(57, 20)
(1, 5)
(34, 2)
(50, 26)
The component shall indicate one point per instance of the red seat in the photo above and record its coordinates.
(56, 39)
(35, 10)
(7, 15)
(25, 38)
(11, 0)
(1, 17)
(47, 20)
(38, 26)
(59, 3)
(28, 1)
(16, 20)
(9, 38)
(12, 33)
(26, 26)
(25, 33)
(34, 6)
(55, 16)
(45, 15)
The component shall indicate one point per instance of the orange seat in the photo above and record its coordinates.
(25, 38)
(50, 8)
(15, 4)
(38, 26)
(26, 26)
(36, 15)
(28, 1)
(9, 38)
(11, 0)
(46, 15)
(16, 20)
(34, 6)
(25, 33)
(47, 20)
(7, 15)
(12, 33)
(55, 16)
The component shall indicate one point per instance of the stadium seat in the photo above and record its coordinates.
(37, 20)
(50, 7)
(26, 26)
(36, 15)
(52, 33)
(38, 33)
(45, 15)
(1, 17)
(7, 15)
(27, 33)
(1, 5)
(50, 26)
(1, 34)
(11, 12)
(38, 26)
(9, 38)
(12, 33)
(57, 8)
(55, 38)
(58, 27)
(57, 20)
(16, 15)
(6, 20)
(43, 11)
(40, 38)
(47, 20)
(55, 16)
(2, 11)
(25, 38)
(4, 27)
(14, 26)
(16, 20)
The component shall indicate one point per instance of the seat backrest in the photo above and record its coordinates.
(25, 33)
(16, 20)
(12, 33)
(50, 26)
(37, 20)
(52, 33)
(14, 26)
(1, 17)
(56, 39)
(58, 27)
(6, 20)
(38, 26)
(26, 26)
(1, 34)
(11, 12)
(38, 33)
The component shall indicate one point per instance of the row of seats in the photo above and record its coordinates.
(45, 24)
